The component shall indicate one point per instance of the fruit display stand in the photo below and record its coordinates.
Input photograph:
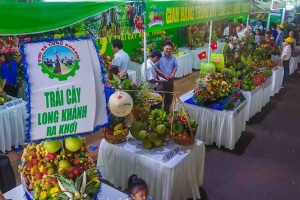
(266, 91)
(293, 64)
(107, 192)
(12, 123)
(277, 79)
(254, 99)
(165, 178)
(223, 128)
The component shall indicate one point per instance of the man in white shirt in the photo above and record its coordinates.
(285, 57)
(121, 58)
(148, 74)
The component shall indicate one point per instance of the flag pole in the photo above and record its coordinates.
(209, 43)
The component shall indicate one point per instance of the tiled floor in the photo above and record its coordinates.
(182, 86)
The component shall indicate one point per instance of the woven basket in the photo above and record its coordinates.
(177, 139)
(115, 139)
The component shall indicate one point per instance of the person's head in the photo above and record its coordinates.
(292, 34)
(268, 35)
(138, 189)
(238, 29)
(113, 70)
(155, 56)
(257, 32)
(289, 40)
(280, 26)
(5, 57)
(243, 25)
(259, 22)
(240, 21)
(230, 22)
(117, 45)
(167, 47)
(273, 26)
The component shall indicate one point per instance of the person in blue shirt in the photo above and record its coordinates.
(138, 188)
(274, 32)
(9, 70)
(258, 26)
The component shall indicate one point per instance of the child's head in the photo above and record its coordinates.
(138, 189)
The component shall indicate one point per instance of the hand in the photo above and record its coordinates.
(172, 76)
(166, 77)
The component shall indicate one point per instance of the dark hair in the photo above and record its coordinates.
(259, 20)
(136, 184)
(268, 32)
(7, 58)
(274, 26)
(258, 31)
(155, 53)
(240, 21)
(168, 43)
(113, 69)
(117, 43)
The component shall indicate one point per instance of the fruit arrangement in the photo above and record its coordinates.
(154, 131)
(259, 79)
(182, 128)
(211, 88)
(59, 170)
(4, 98)
(117, 131)
(234, 101)
(247, 84)
(107, 60)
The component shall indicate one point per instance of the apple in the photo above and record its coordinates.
(73, 144)
(52, 146)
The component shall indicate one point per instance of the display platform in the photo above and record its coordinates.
(223, 128)
(178, 178)
(12, 126)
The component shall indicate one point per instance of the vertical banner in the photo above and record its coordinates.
(66, 91)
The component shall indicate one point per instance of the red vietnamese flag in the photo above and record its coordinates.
(202, 55)
(214, 46)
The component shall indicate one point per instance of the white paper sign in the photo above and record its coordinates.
(66, 89)
(13, 103)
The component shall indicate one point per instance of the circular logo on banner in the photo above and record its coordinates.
(120, 104)
(59, 61)
(207, 68)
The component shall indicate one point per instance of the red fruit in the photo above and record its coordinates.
(33, 154)
(54, 181)
(71, 176)
(52, 156)
(63, 171)
(35, 161)
(47, 158)
(38, 176)
(30, 164)
(76, 172)
(45, 171)
(76, 161)
(185, 133)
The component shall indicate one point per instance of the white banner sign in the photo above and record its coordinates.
(66, 88)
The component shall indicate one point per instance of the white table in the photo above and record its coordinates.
(221, 127)
(254, 99)
(277, 79)
(293, 64)
(132, 75)
(184, 65)
(137, 67)
(107, 193)
(195, 61)
(266, 91)
(12, 127)
(176, 179)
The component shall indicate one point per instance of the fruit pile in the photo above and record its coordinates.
(4, 98)
(259, 79)
(247, 84)
(117, 127)
(42, 163)
(180, 128)
(154, 132)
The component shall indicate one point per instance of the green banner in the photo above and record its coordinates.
(162, 15)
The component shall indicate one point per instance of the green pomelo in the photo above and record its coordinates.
(73, 144)
(136, 127)
(159, 142)
(147, 144)
(143, 135)
(245, 87)
(152, 137)
(52, 146)
(160, 129)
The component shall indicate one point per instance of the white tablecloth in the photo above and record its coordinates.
(176, 179)
(137, 68)
(293, 64)
(277, 79)
(254, 99)
(184, 65)
(12, 127)
(221, 127)
(276, 59)
(195, 61)
(266, 91)
(132, 74)
(107, 193)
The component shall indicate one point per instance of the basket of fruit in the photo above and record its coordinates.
(183, 129)
(117, 131)
(59, 170)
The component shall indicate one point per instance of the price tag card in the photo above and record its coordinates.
(13, 103)
(170, 154)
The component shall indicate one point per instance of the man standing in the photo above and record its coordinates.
(121, 58)
(258, 26)
(149, 74)
(280, 36)
(166, 68)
